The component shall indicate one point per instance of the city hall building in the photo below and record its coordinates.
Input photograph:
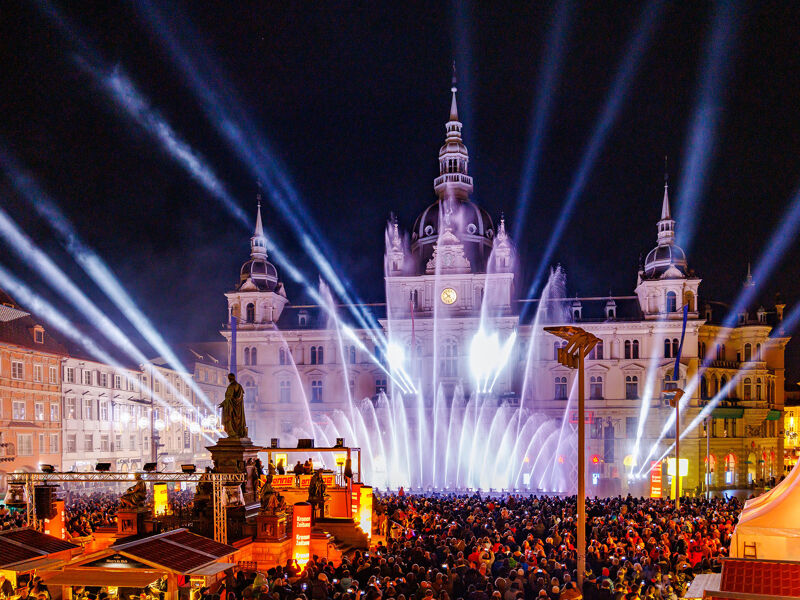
(452, 275)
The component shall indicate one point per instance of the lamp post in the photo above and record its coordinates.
(675, 401)
(572, 355)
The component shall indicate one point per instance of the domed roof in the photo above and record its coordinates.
(262, 272)
(662, 257)
(453, 146)
(469, 219)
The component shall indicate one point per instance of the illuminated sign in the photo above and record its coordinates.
(655, 479)
(365, 510)
(285, 481)
(301, 531)
(355, 497)
(684, 466)
(160, 499)
(587, 417)
(282, 481)
(281, 458)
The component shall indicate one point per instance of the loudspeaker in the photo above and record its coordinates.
(339, 443)
(305, 443)
(45, 498)
(275, 443)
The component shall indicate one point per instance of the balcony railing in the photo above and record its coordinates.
(452, 178)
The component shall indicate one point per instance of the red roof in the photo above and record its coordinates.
(179, 550)
(762, 577)
(18, 545)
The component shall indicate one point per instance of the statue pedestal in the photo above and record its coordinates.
(237, 456)
(130, 521)
(271, 528)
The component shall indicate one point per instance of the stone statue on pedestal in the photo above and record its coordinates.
(233, 420)
(135, 496)
(316, 494)
(272, 502)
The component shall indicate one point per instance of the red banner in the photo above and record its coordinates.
(655, 479)
(301, 533)
(587, 417)
(286, 481)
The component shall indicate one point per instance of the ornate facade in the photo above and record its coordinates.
(453, 276)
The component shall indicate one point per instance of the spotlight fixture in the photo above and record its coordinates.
(47, 468)
(150, 467)
(339, 443)
(103, 467)
(190, 469)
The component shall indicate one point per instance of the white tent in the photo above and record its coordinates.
(769, 526)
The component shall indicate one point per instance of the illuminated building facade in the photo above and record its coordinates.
(455, 273)
(30, 392)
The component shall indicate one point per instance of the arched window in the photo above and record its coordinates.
(719, 352)
(316, 391)
(628, 349)
(635, 349)
(352, 355)
(250, 391)
(597, 351)
(703, 388)
(632, 387)
(747, 389)
(253, 356)
(748, 352)
(247, 356)
(282, 356)
(758, 389)
(714, 385)
(667, 349)
(702, 350)
(251, 313)
(758, 351)
(320, 356)
(313, 355)
(448, 365)
(675, 347)
(672, 302)
(723, 381)
(560, 388)
(730, 469)
(596, 387)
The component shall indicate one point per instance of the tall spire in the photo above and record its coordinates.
(258, 243)
(748, 281)
(666, 226)
(453, 103)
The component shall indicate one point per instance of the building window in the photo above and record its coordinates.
(596, 430)
(38, 373)
(352, 354)
(88, 442)
(132, 442)
(88, 409)
(87, 377)
(104, 410)
(247, 356)
(758, 389)
(285, 396)
(72, 443)
(253, 356)
(631, 427)
(55, 411)
(380, 386)
(69, 374)
(703, 388)
(627, 349)
(72, 408)
(596, 387)
(449, 361)
(316, 391)
(632, 387)
(38, 411)
(282, 356)
(561, 388)
(118, 382)
(701, 350)
(597, 351)
(317, 356)
(55, 443)
(16, 370)
(302, 318)
(672, 302)
(18, 410)
(104, 443)
(748, 353)
(103, 380)
(251, 313)
(675, 347)
(747, 389)
(25, 444)
(38, 335)
(635, 349)
(53, 373)
(667, 349)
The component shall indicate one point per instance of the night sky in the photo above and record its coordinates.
(353, 99)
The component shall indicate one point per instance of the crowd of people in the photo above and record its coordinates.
(513, 548)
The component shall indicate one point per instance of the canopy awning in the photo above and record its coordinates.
(102, 577)
(727, 412)
(35, 564)
(212, 569)
(773, 415)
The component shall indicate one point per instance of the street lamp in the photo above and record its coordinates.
(675, 402)
(572, 355)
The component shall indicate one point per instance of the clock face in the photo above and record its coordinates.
(449, 295)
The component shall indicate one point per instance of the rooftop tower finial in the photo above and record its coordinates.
(258, 243)
(454, 180)
(453, 90)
